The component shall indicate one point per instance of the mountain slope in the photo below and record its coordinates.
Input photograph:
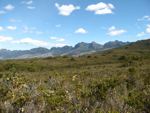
(114, 44)
(78, 49)
(139, 45)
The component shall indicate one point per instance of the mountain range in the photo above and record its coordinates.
(79, 49)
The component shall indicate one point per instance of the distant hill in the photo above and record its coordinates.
(139, 45)
(79, 49)
(115, 44)
(131, 49)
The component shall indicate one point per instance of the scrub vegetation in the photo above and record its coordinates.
(113, 81)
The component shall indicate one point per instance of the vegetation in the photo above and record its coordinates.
(114, 81)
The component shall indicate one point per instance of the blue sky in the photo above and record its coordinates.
(26, 24)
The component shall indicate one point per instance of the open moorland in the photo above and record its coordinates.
(113, 81)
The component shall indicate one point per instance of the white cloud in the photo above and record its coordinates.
(27, 29)
(14, 20)
(30, 7)
(11, 28)
(9, 7)
(5, 38)
(66, 10)
(141, 34)
(59, 45)
(29, 2)
(57, 39)
(1, 28)
(147, 17)
(144, 18)
(31, 41)
(146, 32)
(81, 31)
(148, 28)
(101, 8)
(112, 31)
(31, 30)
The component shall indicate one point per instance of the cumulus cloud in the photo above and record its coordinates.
(5, 38)
(81, 31)
(101, 8)
(57, 39)
(113, 31)
(31, 30)
(29, 2)
(11, 28)
(141, 34)
(14, 20)
(30, 7)
(59, 45)
(9, 7)
(27, 29)
(148, 28)
(147, 18)
(31, 41)
(66, 10)
(146, 32)
(1, 28)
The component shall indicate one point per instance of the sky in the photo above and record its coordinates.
(26, 24)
